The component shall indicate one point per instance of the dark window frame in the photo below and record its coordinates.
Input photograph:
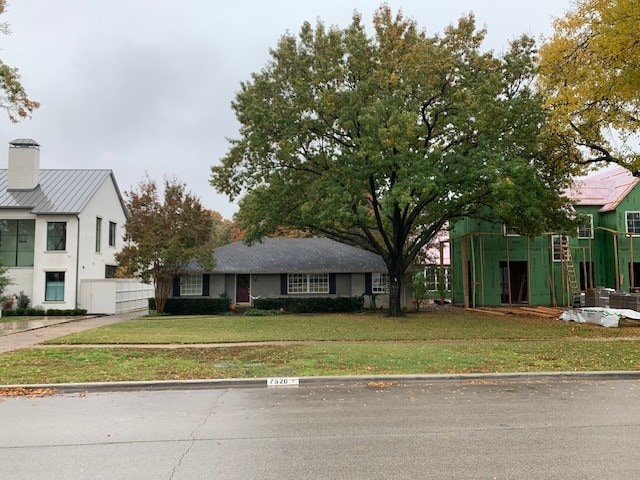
(112, 234)
(49, 279)
(56, 240)
(98, 234)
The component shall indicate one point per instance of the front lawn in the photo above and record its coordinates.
(57, 365)
(448, 341)
(452, 324)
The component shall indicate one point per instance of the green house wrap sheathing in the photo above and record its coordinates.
(609, 257)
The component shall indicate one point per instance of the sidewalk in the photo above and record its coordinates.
(29, 338)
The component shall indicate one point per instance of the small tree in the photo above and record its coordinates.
(164, 235)
(5, 280)
(420, 292)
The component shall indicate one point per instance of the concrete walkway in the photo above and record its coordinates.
(29, 338)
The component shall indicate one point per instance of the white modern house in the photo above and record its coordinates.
(59, 229)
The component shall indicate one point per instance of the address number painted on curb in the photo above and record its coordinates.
(283, 382)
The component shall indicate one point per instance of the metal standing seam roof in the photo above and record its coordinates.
(58, 191)
(296, 255)
(607, 188)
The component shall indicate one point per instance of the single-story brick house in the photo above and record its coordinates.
(278, 267)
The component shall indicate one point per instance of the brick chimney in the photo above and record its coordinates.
(24, 164)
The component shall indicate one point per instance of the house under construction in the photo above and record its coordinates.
(492, 265)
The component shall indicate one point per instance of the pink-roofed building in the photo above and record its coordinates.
(492, 265)
(438, 264)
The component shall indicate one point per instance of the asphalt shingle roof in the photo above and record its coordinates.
(295, 255)
(58, 191)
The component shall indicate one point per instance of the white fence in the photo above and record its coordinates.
(114, 295)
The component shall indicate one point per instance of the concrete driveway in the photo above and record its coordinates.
(53, 328)
(569, 429)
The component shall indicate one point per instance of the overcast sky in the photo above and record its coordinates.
(146, 86)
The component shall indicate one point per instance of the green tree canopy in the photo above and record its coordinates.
(590, 73)
(13, 97)
(380, 140)
(165, 234)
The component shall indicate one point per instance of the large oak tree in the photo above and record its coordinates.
(590, 73)
(380, 140)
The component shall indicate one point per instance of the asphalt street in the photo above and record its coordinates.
(474, 429)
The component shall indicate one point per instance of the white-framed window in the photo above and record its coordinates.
(432, 276)
(379, 282)
(190, 285)
(308, 283)
(586, 230)
(509, 231)
(633, 222)
(54, 287)
(558, 242)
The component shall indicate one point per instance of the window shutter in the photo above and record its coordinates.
(368, 288)
(283, 284)
(332, 283)
(206, 282)
(176, 286)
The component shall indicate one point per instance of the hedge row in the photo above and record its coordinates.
(193, 306)
(39, 312)
(311, 305)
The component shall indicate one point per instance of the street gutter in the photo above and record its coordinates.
(387, 380)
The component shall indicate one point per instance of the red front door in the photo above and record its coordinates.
(243, 281)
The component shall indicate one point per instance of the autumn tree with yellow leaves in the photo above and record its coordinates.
(13, 97)
(590, 75)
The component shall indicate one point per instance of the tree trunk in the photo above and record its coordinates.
(162, 288)
(395, 295)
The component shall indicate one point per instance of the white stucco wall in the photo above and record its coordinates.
(55, 261)
(106, 205)
(79, 261)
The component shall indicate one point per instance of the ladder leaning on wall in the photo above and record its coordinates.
(569, 270)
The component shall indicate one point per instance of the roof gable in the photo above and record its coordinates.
(296, 255)
(606, 189)
(58, 191)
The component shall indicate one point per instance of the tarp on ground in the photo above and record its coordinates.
(607, 317)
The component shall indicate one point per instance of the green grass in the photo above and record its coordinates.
(120, 364)
(449, 341)
(346, 327)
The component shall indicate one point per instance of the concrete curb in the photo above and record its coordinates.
(325, 381)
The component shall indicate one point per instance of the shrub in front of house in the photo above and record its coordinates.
(311, 305)
(193, 306)
(41, 312)
(70, 312)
